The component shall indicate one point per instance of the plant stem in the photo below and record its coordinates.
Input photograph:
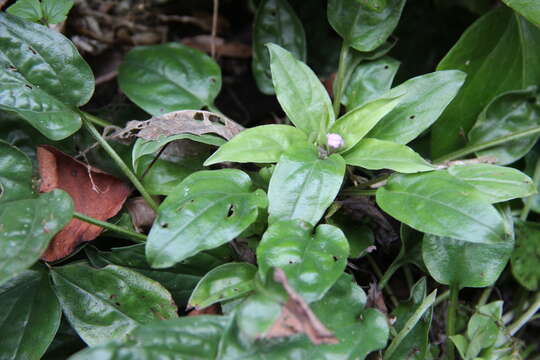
(136, 237)
(482, 146)
(120, 163)
(529, 200)
(387, 275)
(451, 321)
(527, 315)
(340, 77)
(96, 120)
(354, 191)
(485, 296)
(445, 295)
(379, 275)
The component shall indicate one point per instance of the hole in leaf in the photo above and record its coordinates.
(198, 116)
(386, 66)
(28, 86)
(412, 117)
(32, 50)
(164, 225)
(230, 211)
(335, 258)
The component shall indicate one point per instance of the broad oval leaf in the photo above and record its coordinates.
(26, 228)
(169, 77)
(376, 154)
(15, 174)
(425, 97)
(260, 144)
(108, 303)
(300, 93)
(43, 77)
(355, 124)
(27, 9)
(30, 316)
(312, 262)
(510, 112)
(497, 183)
(222, 283)
(526, 255)
(275, 22)
(362, 27)
(201, 215)
(499, 52)
(526, 8)
(303, 185)
(440, 204)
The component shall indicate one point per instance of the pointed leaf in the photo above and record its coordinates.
(27, 9)
(15, 174)
(527, 8)
(55, 11)
(526, 255)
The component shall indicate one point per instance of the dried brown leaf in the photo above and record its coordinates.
(375, 299)
(210, 310)
(142, 215)
(223, 48)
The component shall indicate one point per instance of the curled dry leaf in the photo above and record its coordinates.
(209, 310)
(94, 193)
(297, 318)
(142, 215)
(223, 48)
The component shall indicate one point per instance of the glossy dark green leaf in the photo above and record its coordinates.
(377, 154)
(15, 174)
(425, 97)
(169, 77)
(43, 77)
(222, 283)
(26, 228)
(29, 316)
(497, 183)
(27, 9)
(300, 93)
(508, 113)
(193, 337)
(65, 343)
(532, 165)
(303, 185)
(275, 22)
(368, 81)
(499, 52)
(312, 262)
(362, 27)
(260, 144)
(526, 255)
(526, 8)
(55, 11)
(441, 204)
(359, 234)
(201, 215)
(106, 304)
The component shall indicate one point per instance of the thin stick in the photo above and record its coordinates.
(134, 236)
(214, 28)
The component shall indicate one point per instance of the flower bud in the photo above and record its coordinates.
(334, 141)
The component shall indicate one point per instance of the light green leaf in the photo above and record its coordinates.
(300, 93)
(497, 183)
(169, 77)
(440, 204)
(55, 11)
(526, 8)
(108, 303)
(260, 144)
(526, 255)
(26, 228)
(312, 263)
(225, 282)
(15, 174)
(376, 154)
(27, 9)
(201, 215)
(43, 77)
(29, 314)
(303, 185)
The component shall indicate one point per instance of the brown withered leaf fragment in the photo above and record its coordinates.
(142, 215)
(223, 48)
(375, 299)
(209, 310)
(297, 318)
(94, 193)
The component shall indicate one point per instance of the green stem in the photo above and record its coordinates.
(529, 200)
(136, 237)
(354, 191)
(340, 77)
(120, 163)
(96, 120)
(387, 275)
(379, 275)
(527, 315)
(485, 296)
(408, 275)
(451, 321)
(443, 297)
(482, 146)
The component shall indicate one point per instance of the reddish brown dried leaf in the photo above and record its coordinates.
(210, 310)
(94, 193)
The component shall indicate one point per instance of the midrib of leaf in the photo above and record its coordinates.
(28, 316)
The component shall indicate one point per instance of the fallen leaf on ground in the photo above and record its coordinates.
(94, 193)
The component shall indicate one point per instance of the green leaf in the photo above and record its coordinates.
(312, 263)
(440, 204)
(526, 255)
(15, 174)
(368, 81)
(30, 316)
(27, 9)
(355, 124)
(191, 337)
(303, 186)
(260, 144)
(300, 93)
(362, 27)
(27, 226)
(43, 77)
(359, 234)
(108, 303)
(201, 215)
(225, 282)
(483, 328)
(376, 154)
(526, 8)
(55, 11)
(425, 97)
(499, 52)
(497, 183)
(169, 77)
(275, 22)
(508, 113)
